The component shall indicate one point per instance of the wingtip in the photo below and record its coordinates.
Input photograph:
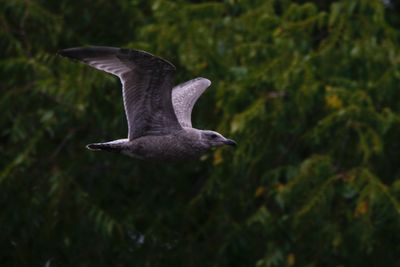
(203, 80)
(81, 52)
(60, 52)
(70, 52)
(208, 82)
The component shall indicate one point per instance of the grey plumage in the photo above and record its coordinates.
(158, 115)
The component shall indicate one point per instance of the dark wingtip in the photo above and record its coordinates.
(82, 53)
(69, 53)
(74, 53)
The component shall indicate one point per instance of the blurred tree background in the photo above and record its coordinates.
(310, 90)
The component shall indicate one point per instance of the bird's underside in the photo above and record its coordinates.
(158, 115)
(175, 146)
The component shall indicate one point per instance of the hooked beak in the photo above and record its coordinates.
(230, 142)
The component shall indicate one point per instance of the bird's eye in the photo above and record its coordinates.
(213, 136)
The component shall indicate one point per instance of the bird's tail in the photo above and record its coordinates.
(96, 146)
(112, 146)
(104, 146)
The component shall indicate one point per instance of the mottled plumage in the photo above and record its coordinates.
(158, 115)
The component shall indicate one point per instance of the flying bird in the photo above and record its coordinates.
(158, 114)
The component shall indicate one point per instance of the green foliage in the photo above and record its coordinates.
(309, 91)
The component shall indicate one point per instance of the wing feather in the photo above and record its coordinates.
(146, 82)
(184, 96)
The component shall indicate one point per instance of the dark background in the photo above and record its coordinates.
(310, 90)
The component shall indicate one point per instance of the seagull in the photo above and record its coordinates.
(158, 114)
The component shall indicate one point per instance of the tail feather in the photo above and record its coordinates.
(97, 146)
(103, 146)
(113, 146)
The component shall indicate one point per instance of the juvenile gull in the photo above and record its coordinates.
(158, 115)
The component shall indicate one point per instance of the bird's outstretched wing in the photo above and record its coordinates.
(146, 86)
(184, 96)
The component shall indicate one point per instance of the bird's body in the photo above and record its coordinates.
(159, 116)
(179, 145)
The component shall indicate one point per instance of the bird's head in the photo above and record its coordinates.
(214, 139)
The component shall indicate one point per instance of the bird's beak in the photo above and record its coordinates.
(230, 142)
